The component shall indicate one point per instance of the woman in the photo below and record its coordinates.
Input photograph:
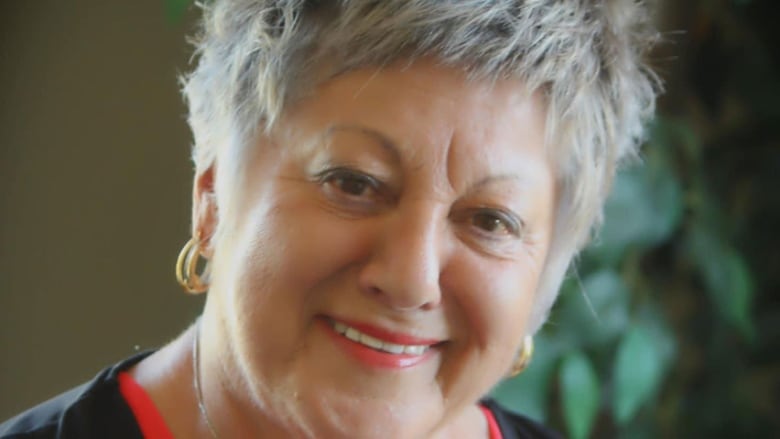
(387, 195)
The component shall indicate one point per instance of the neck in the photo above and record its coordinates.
(226, 399)
(196, 377)
(167, 377)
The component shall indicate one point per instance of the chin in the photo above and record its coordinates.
(340, 417)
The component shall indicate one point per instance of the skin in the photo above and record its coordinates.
(408, 198)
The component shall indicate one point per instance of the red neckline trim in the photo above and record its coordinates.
(149, 419)
(493, 430)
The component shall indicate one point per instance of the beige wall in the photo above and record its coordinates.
(94, 187)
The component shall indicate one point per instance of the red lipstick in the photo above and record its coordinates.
(374, 358)
(390, 336)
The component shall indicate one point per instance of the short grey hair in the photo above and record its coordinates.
(587, 57)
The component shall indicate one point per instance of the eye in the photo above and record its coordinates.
(348, 182)
(495, 222)
(351, 184)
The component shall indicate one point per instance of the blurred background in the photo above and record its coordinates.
(670, 326)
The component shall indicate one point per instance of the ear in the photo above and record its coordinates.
(204, 209)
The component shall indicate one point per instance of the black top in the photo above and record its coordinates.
(98, 410)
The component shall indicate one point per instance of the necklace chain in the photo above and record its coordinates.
(196, 380)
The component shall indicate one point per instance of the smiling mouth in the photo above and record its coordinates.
(375, 343)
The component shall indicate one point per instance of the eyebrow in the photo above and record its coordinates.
(495, 178)
(389, 145)
(384, 140)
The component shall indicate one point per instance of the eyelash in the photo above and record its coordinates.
(336, 177)
(346, 175)
(511, 224)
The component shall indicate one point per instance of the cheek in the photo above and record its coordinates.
(290, 248)
(495, 299)
(311, 245)
(247, 279)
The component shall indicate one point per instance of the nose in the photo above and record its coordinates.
(409, 252)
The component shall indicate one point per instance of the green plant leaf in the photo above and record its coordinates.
(726, 276)
(596, 312)
(580, 394)
(608, 296)
(175, 9)
(644, 208)
(637, 373)
(653, 322)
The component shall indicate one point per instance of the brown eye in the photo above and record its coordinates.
(351, 184)
(495, 222)
(488, 222)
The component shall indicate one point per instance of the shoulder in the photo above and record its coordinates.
(516, 426)
(95, 409)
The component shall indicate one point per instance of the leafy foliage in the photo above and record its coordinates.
(637, 373)
(580, 389)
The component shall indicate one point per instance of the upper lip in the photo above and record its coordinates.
(388, 335)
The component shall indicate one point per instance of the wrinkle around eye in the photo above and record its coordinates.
(504, 249)
(352, 191)
(524, 245)
(509, 225)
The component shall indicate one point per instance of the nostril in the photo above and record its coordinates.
(401, 274)
(402, 297)
(375, 291)
(427, 306)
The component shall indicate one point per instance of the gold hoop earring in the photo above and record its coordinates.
(186, 268)
(523, 358)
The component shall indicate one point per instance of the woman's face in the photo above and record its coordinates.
(383, 252)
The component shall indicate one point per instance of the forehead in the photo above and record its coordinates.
(418, 88)
(427, 109)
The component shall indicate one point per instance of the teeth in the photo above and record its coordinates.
(415, 350)
(393, 348)
(340, 327)
(371, 341)
(375, 343)
(352, 334)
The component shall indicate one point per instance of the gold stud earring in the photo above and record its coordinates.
(523, 358)
(187, 265)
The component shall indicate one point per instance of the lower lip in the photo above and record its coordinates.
(372, 357)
